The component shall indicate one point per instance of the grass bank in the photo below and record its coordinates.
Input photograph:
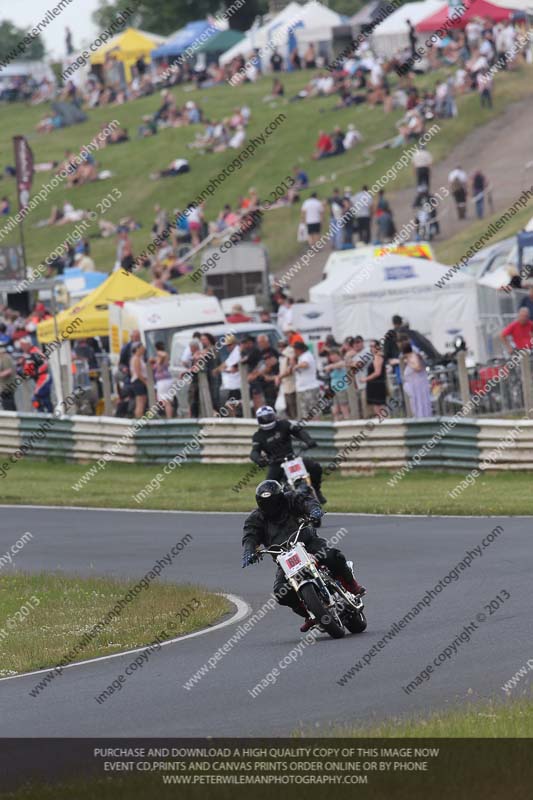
(291, 143)
(208, 487)
(60, 610)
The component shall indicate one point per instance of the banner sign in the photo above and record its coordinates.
(24, 170)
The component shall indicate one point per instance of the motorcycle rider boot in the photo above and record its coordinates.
(321, 499)
(353, 586)
(301, 610)
(308, 624)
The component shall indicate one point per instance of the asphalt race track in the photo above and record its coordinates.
(398, 559)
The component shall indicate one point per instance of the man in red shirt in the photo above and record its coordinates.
(521, 332)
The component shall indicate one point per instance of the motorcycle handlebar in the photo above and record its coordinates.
(288, 457)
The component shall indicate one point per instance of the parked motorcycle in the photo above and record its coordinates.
(324, 597)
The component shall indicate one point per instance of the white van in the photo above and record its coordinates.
(159, 318)
(181, 339)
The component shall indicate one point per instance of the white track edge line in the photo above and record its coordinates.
(229, 513)
(243, 609)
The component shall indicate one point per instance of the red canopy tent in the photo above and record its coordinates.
(477, 8)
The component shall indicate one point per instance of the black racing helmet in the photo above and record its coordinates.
(270, 499)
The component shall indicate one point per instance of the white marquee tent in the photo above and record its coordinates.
(362, 299)
(516, 5)
(317, 21)
(392, 34)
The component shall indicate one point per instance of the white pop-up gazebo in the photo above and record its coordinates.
(393, 33)
(363, 297)
(311, 23)
(260, 37)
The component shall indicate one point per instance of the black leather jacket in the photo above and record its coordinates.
(260, 530)
(277, 442)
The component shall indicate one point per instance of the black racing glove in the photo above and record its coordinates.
(316, 515)
(248, 557)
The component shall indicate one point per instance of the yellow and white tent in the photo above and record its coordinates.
(90, 316)
(129, 46)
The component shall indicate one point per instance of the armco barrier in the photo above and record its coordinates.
(231, 441)
(159, 441)
(10, 439)
(94, 436)
(504, 446)
(358, 446)
(454, 449)
(362, 447)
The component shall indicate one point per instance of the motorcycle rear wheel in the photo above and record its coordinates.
(331, 624)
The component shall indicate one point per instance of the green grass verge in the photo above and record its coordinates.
(292, 143)
(68, 608)
(490, 720)
(208, 487)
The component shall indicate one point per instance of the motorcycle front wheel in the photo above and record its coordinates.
(327, 620)
(356, 622)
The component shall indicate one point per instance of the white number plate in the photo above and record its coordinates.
(294, 561)
(295, 468)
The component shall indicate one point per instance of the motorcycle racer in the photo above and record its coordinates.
(273, 440)
(277, 515)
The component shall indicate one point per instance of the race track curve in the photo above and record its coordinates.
(397, 558)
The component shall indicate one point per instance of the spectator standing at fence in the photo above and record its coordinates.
(338, 376)
(34, 365)
(210, 354)
(230, 374)
(360, 356)
(307, 385)
(268, 369)
(187, 355)
(127, 350)
(520, 331)
(375, 379)
(416, 382)
(162, 377)
(311, 214)
(285, 379)
(194, 365)
(250, 356)
(458, 184)
(7, 374)
(139, 379)
(479, 190)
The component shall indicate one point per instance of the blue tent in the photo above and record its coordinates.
(79, 283)
(184, 38)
